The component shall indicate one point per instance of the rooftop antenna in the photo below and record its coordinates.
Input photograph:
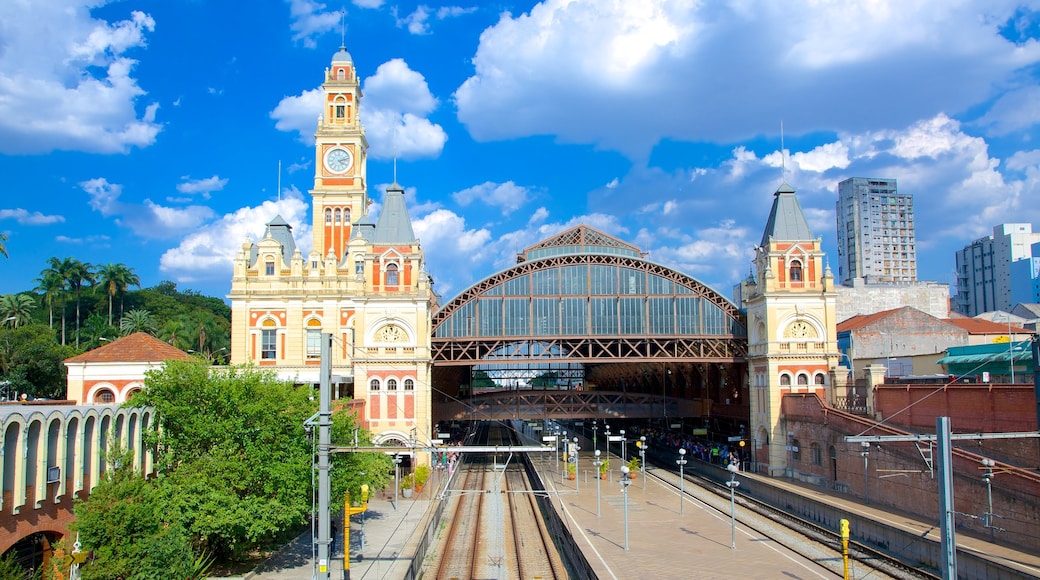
(343, 28)
(395, 153)
(279, 180)
(783, 155)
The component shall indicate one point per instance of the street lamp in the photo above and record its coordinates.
(577, 474)
(624, 447)
(397, 479)
(682, 462)
(642, 457)
(563, 470)
(597, 462)
(987, 476)
(606, 444)
(625, 482)
(866, 474)
(732, 484)
(594, 428)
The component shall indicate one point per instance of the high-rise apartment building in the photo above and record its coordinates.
(875, 232)
(984, 269)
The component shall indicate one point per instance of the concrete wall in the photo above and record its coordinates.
(861, 298)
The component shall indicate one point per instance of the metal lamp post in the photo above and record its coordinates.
(606, 443)
(597, 462)
(625, 482)
(642, 458)
(682, 462)
(594, 428)
(732, 484)
(987, 476)
(866, 474)
(563, 470)
(577, 472)
(624, 447)
(397, 479)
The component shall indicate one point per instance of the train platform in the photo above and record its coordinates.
(390, 536)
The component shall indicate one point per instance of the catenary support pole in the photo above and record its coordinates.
(324, 441)
(946, 513)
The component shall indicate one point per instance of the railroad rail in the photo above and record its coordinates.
(861, 554)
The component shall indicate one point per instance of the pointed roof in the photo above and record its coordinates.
(786, 221)
(394, 225)
(280, 231)
(342, 55)
(139, 347)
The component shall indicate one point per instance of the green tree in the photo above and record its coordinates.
(137, 321)
(16, 309)
(354, 469)
(77, 274)
(33, 361)
(3, 248)
(232, 452)
(131, 530)
(51, 284)
(115, 279)
(54, 277)
(95, 329)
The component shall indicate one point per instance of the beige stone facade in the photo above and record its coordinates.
(791, 313)
(364, 283)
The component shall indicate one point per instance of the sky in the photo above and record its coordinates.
(162, 134)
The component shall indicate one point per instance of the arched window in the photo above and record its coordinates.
(328, 217)
(409, 385)
(269, 340)
(796, 271)
(341, 74)
(373, 385)
(313, 346)
(391, 384)
(803, 380)
(391, 275)
(338, 215)
(131, 393)
(820, 379)
(785, 380)
(104, 397)
(346, 216)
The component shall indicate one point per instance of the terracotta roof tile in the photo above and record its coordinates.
(982, 326)
(138, 347)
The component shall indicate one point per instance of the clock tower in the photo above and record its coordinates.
(340, 160)
(792, 337)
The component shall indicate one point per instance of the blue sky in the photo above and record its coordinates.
(150, 132)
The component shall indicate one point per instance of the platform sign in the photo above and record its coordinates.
(549, 438)
(614, 438)
(676, 425)
(436, 442)
(443, 435)
(700, 431)
(734, 438)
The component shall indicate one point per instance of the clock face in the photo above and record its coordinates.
(800, 330)
(338, 160)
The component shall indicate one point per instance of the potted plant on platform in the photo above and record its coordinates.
(633, 467)
(604, 467)
(422, 475)
(572, 471)
(406, 485)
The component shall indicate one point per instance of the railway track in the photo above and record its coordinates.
(863, 556)
(495, 527)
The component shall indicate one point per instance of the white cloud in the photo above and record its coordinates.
(397, 101)
(146, 219)
(508, 196)
(66, 82)
(310, 19)
(606, 71)
(368, 3)
(205, 186)
(27, 218)
(208, 252)
(418, 21)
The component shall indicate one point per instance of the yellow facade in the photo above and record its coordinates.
(792, 337)
(363, 283)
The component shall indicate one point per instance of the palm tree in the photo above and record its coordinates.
(76, 275)
(3, 249)
(16, 309)
(137, 320)
(50, 284)
(115, 279)
(53, 278)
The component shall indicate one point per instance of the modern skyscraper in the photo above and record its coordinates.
(984, 269)
(875, 232)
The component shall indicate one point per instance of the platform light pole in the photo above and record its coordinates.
(732, 484)
(624, 447)
(397, 479)
(577, 472)
(866, 474)
(625, 482)
(595, 427)
(597, 462)
(642, 457)
(563, 470)
(682, 462)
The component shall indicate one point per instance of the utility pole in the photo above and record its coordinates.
(324, 441)
(944, 450)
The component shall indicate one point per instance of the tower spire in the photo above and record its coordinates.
(343, 29)
(783, 155)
